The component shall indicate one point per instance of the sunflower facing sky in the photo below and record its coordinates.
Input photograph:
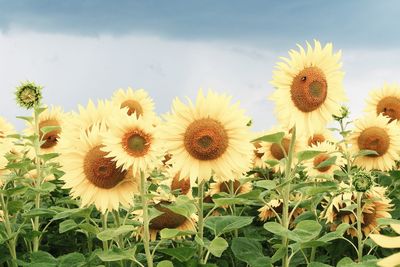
(386, 101)
(93, 176)
(309, 87)
(376, 133)
(132, 142)
(208, 137)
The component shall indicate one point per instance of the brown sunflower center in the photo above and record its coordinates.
(374, 138)
(133, 107)
(276, 150)
(50, 138)
(309, 89)
(168, 219)
(206, 139)
(136, 142)
(180, 184)
(315, 139)
(225, 186)
(390, 107)
(258, 154)
(102, 171)
(319, 159)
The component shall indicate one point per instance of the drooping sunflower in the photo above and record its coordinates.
(376, 133)
(134, 101)
(208, 137)
(258, 162)
(375, 205)
(309, 87)
(93, 176)
(329, 150)
(275, 206)
(132, 142)
(238, 187)
(274, 152)
(84, 120)
(385, 101)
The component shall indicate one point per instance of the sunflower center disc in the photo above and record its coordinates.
(319, 159)
(206, 139)
(374, 138)
(168, 219)
(315, 139)
(133, 107)
(276, 150)
(183, 185)
(51, 138)
(102, 171)
(309, 89)
(390, 107)
(136, 143)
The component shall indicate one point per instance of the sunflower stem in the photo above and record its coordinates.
(12, 242)
(118, 224)
(36, 146)
(233, 194)
(146, 221)
(104, 226)
(286, 196)
(200, 223)
(359, 228)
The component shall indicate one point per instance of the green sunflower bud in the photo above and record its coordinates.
(28, 95)
(362, 181)
(344, 113)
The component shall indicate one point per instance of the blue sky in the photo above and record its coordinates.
(87, 49)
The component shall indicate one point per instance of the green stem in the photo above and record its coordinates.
(36, 145)
(233, 195)
(200, 222)
(104, 226)
(286, 196)
(146, 221)
(12, 242)
(359, 228)
(118, 224)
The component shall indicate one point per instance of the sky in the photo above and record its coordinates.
(81, 49)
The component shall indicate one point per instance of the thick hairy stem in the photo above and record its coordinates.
(359, 228)
(286, 196)
(146, 221)
(36, 145)
(200, 223)
(7, 224)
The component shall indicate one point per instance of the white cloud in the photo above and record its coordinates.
(74, 69)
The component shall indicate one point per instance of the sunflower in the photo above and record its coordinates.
(389, 242)
(320, 136)
(375, 205)
(6, 144)
(258, 162)
(275, 206)
(308, 88)
(377, 134)
(182, 186)
(131, 101)
(329, 150)
(51, 117)
(238, 188)
(93, 176)
(84, 119)
(385, 101)
(274, 152)
(132, 143)
(208, 137)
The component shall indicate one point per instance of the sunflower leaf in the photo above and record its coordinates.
(307, 154)
(271, 138)
(218, 246)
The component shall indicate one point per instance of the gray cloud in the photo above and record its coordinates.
(274, 24)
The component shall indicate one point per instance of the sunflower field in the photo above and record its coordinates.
(114, 184)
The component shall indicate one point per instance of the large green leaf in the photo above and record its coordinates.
(307, 154)
(67, 225)
(224, 224)
(182, 254)
(307, 230)
(249, 251)
(218, 246)
(271, 138)
(71, 259)
(110, 234)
